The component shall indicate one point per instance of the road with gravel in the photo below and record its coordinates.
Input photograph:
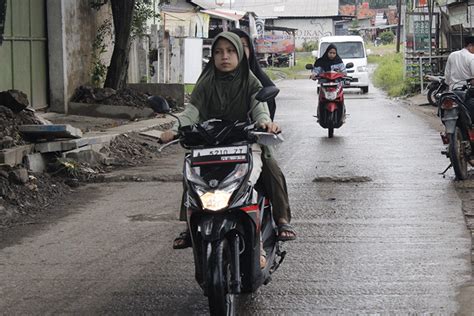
(379, 230)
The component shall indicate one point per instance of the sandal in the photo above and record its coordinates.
(263, 257)
(183, 240)
(286, 228)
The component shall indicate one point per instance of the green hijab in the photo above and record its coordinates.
(225, 96)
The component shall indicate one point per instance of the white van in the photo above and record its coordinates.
(351, 49)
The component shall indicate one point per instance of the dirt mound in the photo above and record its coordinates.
(126, 96)
(24, 196)
(9, 124)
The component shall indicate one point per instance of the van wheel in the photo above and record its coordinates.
(365, 89)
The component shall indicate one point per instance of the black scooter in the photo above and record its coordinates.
(456, 113)
(230, 219)
(436, 86)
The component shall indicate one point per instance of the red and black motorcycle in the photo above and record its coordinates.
(331, 112)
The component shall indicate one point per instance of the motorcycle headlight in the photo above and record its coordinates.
(215, 198)
(362, 69)
(218, 199)
(330, 95)
(239, 172)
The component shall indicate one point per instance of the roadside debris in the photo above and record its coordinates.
(108, 96)
(41, 161)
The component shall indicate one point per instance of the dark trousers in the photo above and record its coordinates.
(274, 183)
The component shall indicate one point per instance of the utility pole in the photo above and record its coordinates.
(399, 23)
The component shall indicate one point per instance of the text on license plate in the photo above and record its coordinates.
(217, 151)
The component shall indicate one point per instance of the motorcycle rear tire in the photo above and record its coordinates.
(221, 301)
(456, 154)
(431, 96)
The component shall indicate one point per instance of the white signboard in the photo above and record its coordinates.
(192, 59)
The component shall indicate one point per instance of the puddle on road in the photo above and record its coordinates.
(150, 217)
(352, 179)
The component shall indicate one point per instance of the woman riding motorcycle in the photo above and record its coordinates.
(226, 90)
(330, 61)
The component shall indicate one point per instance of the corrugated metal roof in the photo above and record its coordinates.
(277, 8)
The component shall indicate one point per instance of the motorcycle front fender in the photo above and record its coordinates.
(215, 228)
(331, 107)
(450, 118)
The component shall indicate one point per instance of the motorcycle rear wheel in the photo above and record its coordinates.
(431, 95)
(221, 301)
(457, 155)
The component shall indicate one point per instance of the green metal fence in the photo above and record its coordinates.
(23, 53)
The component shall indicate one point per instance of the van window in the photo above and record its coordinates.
(346, 49)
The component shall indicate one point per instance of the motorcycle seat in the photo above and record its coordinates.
(460, 94)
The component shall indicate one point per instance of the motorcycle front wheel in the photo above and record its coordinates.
(221, 301)
(457, 155)
(331, 123)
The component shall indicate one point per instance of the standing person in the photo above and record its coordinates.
(330, 61)
(249, 50)
(459, 68)
(223, 91)
(460, 64)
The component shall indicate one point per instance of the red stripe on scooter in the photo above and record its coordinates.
(250, 208)
(217, 162)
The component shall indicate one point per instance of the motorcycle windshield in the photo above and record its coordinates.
(212, 133)
(331, 75)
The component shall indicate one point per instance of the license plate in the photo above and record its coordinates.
(220, 151)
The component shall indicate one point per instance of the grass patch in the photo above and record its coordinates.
(188, 88)
(389, 75)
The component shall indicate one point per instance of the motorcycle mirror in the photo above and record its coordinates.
(267, 93)
(309, 66)
(158, 104)
(349, 65)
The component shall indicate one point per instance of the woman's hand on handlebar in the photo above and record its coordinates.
(271, 127)
(168, 136)
(313, 76)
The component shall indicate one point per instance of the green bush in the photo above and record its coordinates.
(387, 37)
(310, 46)
(389, 76)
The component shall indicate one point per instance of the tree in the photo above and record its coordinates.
(129, 19)
(122, 12)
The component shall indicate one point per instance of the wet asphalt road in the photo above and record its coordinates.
(379, 230)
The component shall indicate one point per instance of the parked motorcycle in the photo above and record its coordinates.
(457, 116)
(331, 111)
(230, 220)
(436, 86)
